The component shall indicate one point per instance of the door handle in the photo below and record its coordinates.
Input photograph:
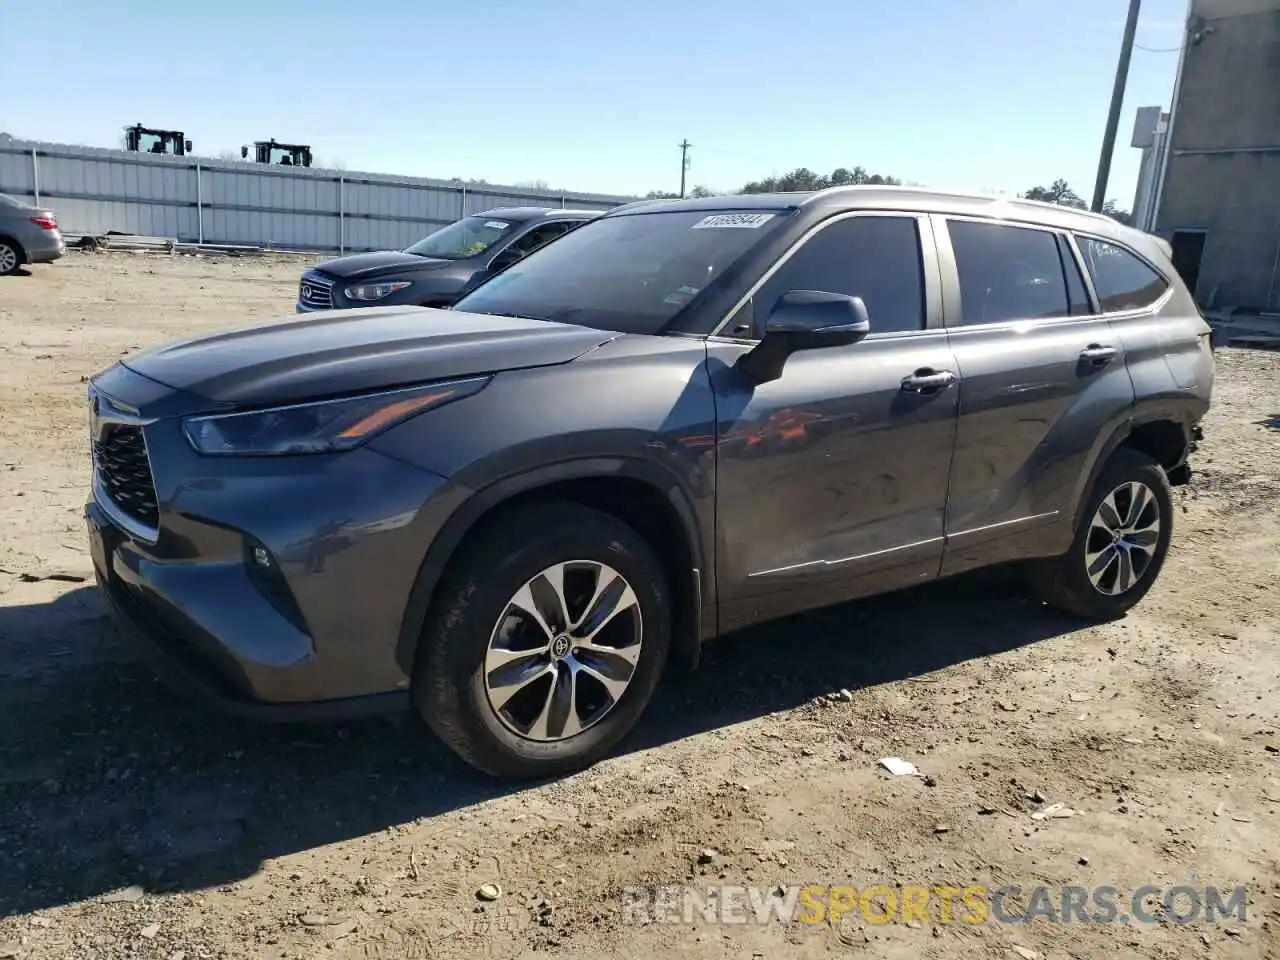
(926, 380)
(1097, 354)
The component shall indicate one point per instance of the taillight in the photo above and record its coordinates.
(46, 221)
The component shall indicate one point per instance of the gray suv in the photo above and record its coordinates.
(679, 419)
(439, 268)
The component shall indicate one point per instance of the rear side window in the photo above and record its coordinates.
(1121, 280)
(872, 257)
(1008, 273)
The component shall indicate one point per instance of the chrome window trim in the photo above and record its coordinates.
(1085, 276)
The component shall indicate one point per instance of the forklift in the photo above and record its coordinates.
(282, 154)
(140, 139)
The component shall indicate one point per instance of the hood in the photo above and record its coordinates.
(363, 265)
(349, 351)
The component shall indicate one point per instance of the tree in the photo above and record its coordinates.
(1060, 192)
(1112, 210)
(802, 178)
(695, 192)
(532, 185)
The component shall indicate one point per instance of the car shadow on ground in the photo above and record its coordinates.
(111, 780)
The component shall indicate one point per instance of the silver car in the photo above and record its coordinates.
(27, 235)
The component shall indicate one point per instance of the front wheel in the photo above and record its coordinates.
(546, 642)
(1120, 544)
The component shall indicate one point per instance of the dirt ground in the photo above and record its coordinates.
(136, 825)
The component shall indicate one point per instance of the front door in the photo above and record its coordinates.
(831, 480)
(1043, 383)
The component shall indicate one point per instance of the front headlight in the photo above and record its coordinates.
(374, 291)
(327, 426)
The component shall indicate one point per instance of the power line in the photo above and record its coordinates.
(1138, 46)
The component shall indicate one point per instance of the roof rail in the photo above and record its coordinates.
(959, 195)
(636, 203)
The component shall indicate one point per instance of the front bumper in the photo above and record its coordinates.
(313, 634)
(170, 655)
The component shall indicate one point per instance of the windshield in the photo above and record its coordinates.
(630, 273)
(466, 238)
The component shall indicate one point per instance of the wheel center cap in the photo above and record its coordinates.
(560, 647)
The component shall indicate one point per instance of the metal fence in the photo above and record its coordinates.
(197, 199)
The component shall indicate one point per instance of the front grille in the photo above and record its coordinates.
(314, 292)
(124, 471)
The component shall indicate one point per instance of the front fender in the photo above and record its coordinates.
(469, 507)
(637, 407)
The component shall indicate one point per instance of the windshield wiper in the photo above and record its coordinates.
(514, 316)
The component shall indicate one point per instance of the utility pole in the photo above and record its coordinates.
(684, 164)
(1117, 100)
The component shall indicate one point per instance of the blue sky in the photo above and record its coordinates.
(979, 94)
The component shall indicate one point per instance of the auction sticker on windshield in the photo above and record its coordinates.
(496, 224)
(739, 221)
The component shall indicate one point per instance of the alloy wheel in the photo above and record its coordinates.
(1122, 540)
(8, 258)
(564, 650)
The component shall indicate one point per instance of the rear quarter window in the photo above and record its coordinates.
(1121, 280)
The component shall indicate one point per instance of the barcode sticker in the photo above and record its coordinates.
(731, 221)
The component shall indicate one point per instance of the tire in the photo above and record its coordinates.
(1064, 582)
(11, 256)
(473, 620)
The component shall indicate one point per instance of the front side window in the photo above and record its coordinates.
(1121, 280)
(1007, 273)
(872, 257)
(632, 273)
(469, 237)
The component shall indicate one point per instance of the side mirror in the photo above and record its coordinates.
(186, 144)
(505, 259)
(804, 320)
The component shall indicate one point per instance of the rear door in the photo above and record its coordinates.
(1042, 379)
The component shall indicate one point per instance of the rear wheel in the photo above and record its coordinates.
(1120, 544)
(546, 642)
(11, 256)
